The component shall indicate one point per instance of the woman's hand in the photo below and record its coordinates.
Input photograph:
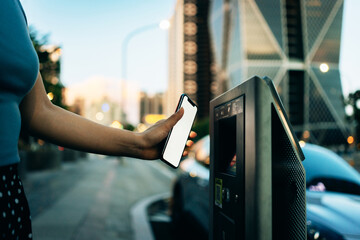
(153, 138)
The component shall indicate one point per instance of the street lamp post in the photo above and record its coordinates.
(126, 43)
(164, 24)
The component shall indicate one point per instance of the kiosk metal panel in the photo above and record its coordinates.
(257, 181)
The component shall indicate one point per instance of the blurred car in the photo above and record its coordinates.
(332, 193)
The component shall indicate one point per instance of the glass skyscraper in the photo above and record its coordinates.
(294, 42)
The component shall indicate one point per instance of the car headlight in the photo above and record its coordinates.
(316, 231)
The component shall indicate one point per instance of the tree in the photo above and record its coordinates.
(49, 62)
(201, 127)
(50, 67)
(353, 112)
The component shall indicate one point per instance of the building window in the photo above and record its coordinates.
(190, 28)
(190, 67)
(190, 47)
(190, 9)
(190, 87)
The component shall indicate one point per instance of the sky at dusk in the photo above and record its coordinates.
(91, 33)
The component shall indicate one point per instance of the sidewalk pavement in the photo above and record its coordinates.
(98, 204)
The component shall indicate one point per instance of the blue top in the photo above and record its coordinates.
(19, 66)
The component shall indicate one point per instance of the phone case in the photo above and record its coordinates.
(176, 140)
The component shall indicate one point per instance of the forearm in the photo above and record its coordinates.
(70, 130)
(57, 125)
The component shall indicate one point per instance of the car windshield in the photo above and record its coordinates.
(326, 171)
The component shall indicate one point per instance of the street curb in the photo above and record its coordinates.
(139, 218)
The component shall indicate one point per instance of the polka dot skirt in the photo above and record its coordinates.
(15, 219)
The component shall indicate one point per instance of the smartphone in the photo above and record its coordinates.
(177, 137)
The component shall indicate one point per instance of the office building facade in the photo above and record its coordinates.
(150, 104)
(190, 57)
(294, 42)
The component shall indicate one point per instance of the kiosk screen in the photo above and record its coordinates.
(226, 118)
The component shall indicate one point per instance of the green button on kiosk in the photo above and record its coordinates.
(257, 181)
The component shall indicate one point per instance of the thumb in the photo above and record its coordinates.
(173, 119)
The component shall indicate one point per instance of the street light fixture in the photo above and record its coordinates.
(324, 67)
(164, 24)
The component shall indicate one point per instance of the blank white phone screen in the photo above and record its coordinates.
(180, 133)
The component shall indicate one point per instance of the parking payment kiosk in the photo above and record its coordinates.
(257, 181)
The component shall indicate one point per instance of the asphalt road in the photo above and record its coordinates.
(91, 199)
